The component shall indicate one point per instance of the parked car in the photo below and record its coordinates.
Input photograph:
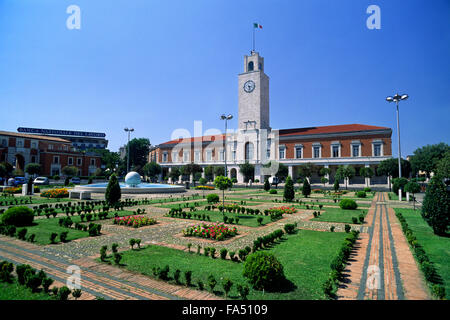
(41, 180)
(75, 180)
(19, 181)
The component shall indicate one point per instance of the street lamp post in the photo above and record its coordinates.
(397, 98)
(128, 146)
(226, 118)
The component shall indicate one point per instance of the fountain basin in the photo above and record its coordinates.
(141, 188)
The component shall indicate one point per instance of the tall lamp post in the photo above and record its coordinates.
(128, 145)
(397, 98)
(226, 118)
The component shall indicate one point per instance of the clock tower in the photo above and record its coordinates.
(253, 94)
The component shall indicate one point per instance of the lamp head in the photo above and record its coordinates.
(404, 97)
(389, 99)
(229, 117)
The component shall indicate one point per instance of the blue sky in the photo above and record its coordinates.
(160, 65)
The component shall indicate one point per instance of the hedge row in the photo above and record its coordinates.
(427, 267)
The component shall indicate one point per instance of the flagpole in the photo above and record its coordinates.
(253, 38)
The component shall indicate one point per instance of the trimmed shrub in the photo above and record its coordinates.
(18, 216)
(347, 228)
(263, 271)
(223, 253)
(113, 193)
(361, 194)
(243, 291)
(63, 293)
(348, 204)
(212, 198)
(273, 191)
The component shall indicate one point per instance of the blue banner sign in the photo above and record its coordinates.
(62, 132)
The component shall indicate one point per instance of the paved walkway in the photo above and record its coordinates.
(97, 280)
(382, 266)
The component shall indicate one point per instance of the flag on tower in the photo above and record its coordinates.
(257, 26)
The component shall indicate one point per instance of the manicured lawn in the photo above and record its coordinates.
(436, 247)
(306, 258)
(44, 227)
(393, 196)
(340, 215)
(15, 291)
(244, 219)
(34, 200)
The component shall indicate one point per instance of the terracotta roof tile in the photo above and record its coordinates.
(329, 129)
(32, 136)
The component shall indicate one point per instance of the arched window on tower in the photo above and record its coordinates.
(249, 151)
(250, 66)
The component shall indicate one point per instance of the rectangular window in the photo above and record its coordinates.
(335, 151)
(79, 161)
(209, 155)
(19, 144)
(186, 156)
(92, 162)
(316, 152)
(4, 143)
(298, 152)
(50, 147)
(282, 153)
(355, 150)
(70, 161)
(377, 150)
(165, 157)
(56, 159)
(34, 145)
(222, 155)
(33, 159)
(197, 156)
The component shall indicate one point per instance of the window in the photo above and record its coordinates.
(233, 154)
(92, 161)
(55, 159)
(298, 152)
(251, 66)
(65, 148)
(34, 145)
(165, 157)
(197, 156)
(50, 147)
(377, 150)
(186, 156)
(4, 142)
(282, 152)
(33, 159)
(316, 151)
(249, 151)
(335, 153)
(269, 143)
(79, 161)
(355, 150)
(208, 155)
(174, 156)
(70, 161)
(222, 155)
(19, 144)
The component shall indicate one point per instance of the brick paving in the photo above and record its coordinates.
(381, 267)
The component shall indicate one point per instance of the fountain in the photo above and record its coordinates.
(132, 185)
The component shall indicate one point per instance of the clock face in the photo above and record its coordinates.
(249, 86)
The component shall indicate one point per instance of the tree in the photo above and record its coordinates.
(209, 173)
(33, 168)
(427, 158)
(306, 170)
(389, 168)
(443, 167)
(202, 181)
(7, 167)
(306, 189)
(247, 170)
(151, 169)
(324, 171)
(174, 174)
(336, 185)
(266, 185)
(113, 193)
(345, 172)
(412, 187)
(282, 172)
(366, 172)
(111, 160)
(139, 149)
(219, 171)
(3, 171)
(436, 206)
(223, 183)
(70, 171)
(289, 193)
(399, 184)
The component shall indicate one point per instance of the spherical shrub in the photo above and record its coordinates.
(18, 216)
(348, 204)
(367, 189)
(212, 198)
(361, 194)
(263, 271)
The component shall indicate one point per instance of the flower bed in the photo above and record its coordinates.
(55, 193)
(210, 231)
(204, 188)
(283, 210)
(134, 221)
